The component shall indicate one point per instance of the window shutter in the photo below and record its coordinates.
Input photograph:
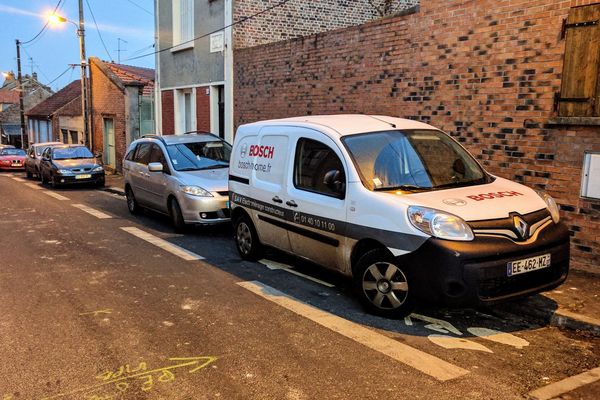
(187, 20)
(580, 83)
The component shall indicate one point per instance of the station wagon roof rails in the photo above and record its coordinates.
(159, 137)
(197, 131)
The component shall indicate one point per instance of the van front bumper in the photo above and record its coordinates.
(475, 273)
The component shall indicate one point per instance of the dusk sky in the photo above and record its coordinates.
(57, 47)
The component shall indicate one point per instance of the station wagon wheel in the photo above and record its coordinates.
(176, 216)
(246, 239)
(132, 203)
(383, 285)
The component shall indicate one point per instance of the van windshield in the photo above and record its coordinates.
(200, 155)
(415, 160)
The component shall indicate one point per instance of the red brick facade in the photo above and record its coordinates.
(168, 112)
(203, 109)
(483, 71)
(108, 101)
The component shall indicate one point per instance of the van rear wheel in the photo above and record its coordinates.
(246, 239)
(383, 285)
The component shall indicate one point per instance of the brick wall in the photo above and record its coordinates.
(483, 71)
(202, 109)
(300, 18)
(108, 101)
(168, 112)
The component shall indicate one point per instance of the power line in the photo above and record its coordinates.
(240, 21)
(45, 25)
(98, 30)
(60, 76)
(141, 8)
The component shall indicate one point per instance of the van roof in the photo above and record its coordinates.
(348, 124)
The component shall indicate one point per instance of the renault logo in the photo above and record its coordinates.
(521, 226)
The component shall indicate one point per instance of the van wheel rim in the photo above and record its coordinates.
(244, 238)
(385, 285)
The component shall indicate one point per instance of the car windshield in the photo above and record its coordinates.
(69, 153)
(200, 155)
(415, 160)
(12, 152)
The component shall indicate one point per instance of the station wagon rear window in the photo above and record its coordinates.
(415, 160)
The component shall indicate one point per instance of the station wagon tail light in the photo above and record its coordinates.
(196, 191)
(439, 224)
(551, 206)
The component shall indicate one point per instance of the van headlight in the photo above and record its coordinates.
(439, 224)
(196, 191)
(551, 206)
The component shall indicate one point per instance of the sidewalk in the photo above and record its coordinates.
(114, 184)
(574, 305)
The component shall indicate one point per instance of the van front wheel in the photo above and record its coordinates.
(246, 239)
(384, 286)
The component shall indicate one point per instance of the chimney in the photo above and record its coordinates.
(34, 76)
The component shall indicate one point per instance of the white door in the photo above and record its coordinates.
(316, 188)
(268, 159)
(109, 142)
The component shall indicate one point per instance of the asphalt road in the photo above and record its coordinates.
(90, 310)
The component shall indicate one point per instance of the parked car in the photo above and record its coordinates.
(183, 176)
(12, 159)
(70, 164)
(397, 205)
(34, 156)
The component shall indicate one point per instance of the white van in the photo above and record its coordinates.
(395, 204)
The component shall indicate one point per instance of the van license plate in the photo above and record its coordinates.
(83, 176)
(528, 264)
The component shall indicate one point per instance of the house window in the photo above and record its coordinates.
(580, 90)
(183, 22)
(74, 137)
(65, 135)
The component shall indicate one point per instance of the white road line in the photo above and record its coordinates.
(566, 385)
(18, 179)
(57, 196)
(273, 265)
(95, 213)
(163, 244)
(424, 362)
(34, 186)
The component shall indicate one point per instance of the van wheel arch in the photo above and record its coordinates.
(362, 247)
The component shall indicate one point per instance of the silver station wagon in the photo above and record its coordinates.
(183, 176)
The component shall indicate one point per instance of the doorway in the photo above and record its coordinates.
(109, 142)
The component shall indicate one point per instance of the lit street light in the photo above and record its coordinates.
(55, 20)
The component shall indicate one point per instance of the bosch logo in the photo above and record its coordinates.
(262, 151)
(455, 202)
(494, 195)
(244, 150)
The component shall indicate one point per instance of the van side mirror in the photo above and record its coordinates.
(333, 179)
(155, 167)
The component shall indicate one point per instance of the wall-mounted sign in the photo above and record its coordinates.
(217, 42)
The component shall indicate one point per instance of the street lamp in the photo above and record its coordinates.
(55, 19)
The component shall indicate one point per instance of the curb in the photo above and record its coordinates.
(114, 190)
(541, 310)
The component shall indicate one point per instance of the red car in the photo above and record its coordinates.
(12, 160)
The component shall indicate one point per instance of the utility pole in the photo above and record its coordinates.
(21, 108)
(84, 86)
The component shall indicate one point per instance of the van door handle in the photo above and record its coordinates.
(276, 199)
(291, 203)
